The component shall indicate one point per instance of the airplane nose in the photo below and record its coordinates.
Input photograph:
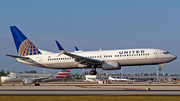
(174, 57)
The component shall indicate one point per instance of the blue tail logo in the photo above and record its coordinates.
(23, 45)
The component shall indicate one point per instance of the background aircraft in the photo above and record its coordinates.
(30, 78)
(118, 79)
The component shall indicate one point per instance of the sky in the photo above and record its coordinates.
(90, 25)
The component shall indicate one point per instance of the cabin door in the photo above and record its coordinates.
(156, 54)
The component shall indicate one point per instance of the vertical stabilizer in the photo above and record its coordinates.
(63, 74)
(23, 45)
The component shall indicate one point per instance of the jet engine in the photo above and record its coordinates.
(110, 65)
(28, 81)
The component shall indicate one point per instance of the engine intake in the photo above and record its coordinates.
(110, 65)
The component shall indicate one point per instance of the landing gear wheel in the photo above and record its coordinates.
(37, 84)
(93, 72)
(159, 68)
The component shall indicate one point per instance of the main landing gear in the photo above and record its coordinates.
(159, 68)
(36, 84)
(93, 72)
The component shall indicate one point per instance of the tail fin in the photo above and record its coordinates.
(63, 74)
(23, 45)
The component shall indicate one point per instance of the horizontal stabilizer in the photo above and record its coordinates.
(19, 57)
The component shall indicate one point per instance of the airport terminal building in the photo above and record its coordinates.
(134, 78)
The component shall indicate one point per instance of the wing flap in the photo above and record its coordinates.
(83, 59)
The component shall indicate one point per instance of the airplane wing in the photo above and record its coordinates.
(20, 57)
(80, 59)
(41, 78)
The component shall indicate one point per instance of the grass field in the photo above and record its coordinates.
(89, 98)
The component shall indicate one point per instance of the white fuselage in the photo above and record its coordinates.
(126, 57)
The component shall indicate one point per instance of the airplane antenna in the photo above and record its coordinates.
(100, 49)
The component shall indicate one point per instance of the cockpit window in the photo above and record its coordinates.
(8, 76)
(166, 52)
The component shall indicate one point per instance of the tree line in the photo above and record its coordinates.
(3, 73)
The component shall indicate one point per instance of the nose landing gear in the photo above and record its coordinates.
(159, 68)
(161, 65)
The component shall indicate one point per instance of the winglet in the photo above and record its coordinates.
(60, 47)
(52, 74)
(76, 48)
(62, 51)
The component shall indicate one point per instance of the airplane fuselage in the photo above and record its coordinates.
(126, 57)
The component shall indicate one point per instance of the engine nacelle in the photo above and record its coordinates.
(110, 65)
(28, 81)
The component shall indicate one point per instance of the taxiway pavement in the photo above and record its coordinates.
(81, 90)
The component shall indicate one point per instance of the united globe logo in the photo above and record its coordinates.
(27, 48)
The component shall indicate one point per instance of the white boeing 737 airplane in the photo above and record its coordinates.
(29, 54)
